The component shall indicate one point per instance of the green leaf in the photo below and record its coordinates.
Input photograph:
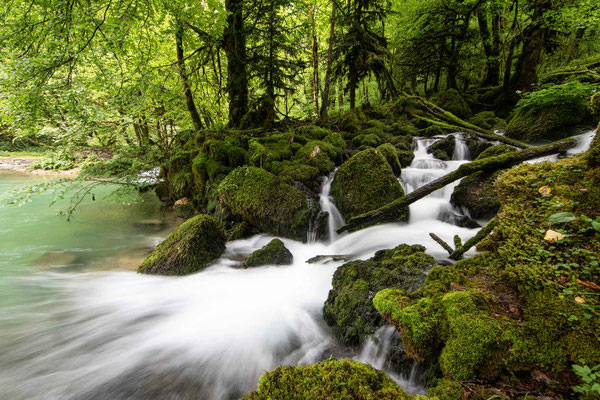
(562, 217)
(596, 225)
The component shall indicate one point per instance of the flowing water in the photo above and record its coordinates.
(77, 322)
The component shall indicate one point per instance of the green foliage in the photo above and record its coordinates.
(573, 94)
(590, 378)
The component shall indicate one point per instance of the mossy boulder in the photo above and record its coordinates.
(319, 154)
(332, 379)
(266, 202)
(476, 146)
(476, 192)
(273, 253)
(487, 120)
(391, 155)
(550, 113)
(431, 131)
(190, 248)
(521, 309)
(451, 100)
(593, 154)
(443, 149)
(366, 182)
(368, 140)
(349, 305)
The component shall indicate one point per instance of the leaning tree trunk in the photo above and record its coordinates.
(187, 92)
(234, 44)
(387, 212)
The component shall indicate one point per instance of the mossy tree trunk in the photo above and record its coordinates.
(326, 89)
(487, 164)
(187, 91)
(234, 43)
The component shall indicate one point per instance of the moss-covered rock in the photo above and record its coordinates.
(369, 140)
(539, 117)
(451, 100)
(443, 149)
(365, 182)
(266, 201)
(349, 305)
(273, 253)
(487, 120)
(520, 314)
(331, 379)
(189, 249)
(391, 155)
(476, 192)
(431, 131)
(476, 146)
(593, 154)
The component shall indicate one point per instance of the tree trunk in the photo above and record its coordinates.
(234, 44)
(387, 212)
(325, 94)
(352, 83)
(315, 60)
(187, 92)
(525, 75)
(492, 73)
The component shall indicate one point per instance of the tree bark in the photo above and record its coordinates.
(315, 59)
(234, 44)
(525, 75)
(326, 91)
(385, 213)
(492, 73)
(187, 92)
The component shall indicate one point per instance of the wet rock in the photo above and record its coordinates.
(190, 248)
(476, 192)
(324, 259)
(365, 182)
(274, 253)
(443, 149)
(349, 307)
(266, 202)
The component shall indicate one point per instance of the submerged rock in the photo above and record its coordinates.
(349, 306)
(331, 379)
(190, 248)
(274, 253)
(266, 202)
(366, 182)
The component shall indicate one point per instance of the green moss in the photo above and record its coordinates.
(265, 201)
(451, 100)
(391, 155)
(331, 379)
(595, 104)
(366, 182)
(487, 120)
(336, 140)
(476, 146)
(403, 130)
(349, 305)
(593, 154)
(189, 249)
(548, 122)
(370, 140)
(476, 193)
(447, 389)
(431, 131)
(405, 157)
(318, 154)
(273, 253)
(313, 132)
(350, 121)
(494, 151)
(443, 149)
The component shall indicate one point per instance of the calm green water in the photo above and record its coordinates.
(101, 235)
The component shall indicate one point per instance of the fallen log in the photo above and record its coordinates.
(479, 236)
(502, 161)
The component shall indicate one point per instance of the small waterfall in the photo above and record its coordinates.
(461, 151)
(327, 205)
(583, 142)
(376, 352)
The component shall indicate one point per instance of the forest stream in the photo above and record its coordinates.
(77, 321)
